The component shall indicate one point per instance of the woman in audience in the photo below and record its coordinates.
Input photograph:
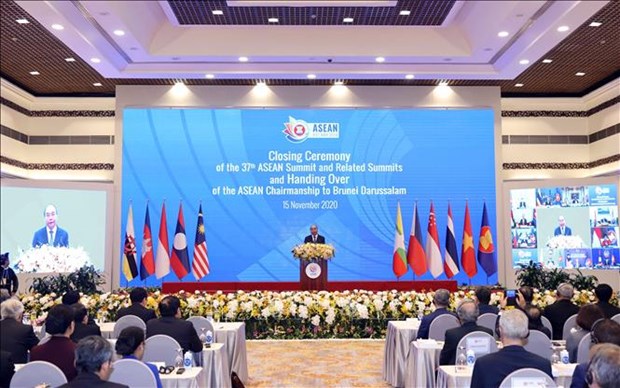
(534, 315)
(130, 344)
(586, 317)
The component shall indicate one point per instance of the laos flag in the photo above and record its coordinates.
(180, 259)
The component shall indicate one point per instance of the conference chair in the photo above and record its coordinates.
(547, 323)
(201, 323)
(616, 318)
(128, 321)
(37, 373)
(440, 324)
(538, 343)
(527, 377)
(583, 349)
(488, 320)
(132, 373)
(481, 339)
(570, 323)
(45, 338)
(161, 348)
(42, 333)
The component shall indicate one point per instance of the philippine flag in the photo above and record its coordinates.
(451, 262)
(433, 254)
(180, 258)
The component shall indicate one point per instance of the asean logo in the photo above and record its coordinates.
(296, 131)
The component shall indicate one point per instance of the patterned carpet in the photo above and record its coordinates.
(315, 363)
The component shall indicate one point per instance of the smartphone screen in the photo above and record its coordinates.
(511, 297)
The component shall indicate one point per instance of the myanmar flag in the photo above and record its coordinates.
(468, 255)
(399, 259)
(130, 268)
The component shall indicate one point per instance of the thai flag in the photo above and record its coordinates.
(180, 259)
(451, 262)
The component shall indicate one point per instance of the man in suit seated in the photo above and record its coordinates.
(82, 327)
(490, 370)
(562, 309)
(172, 325)
(441, 300)
(15, 337)
(93, 361)
(314, 236)
(467, 313)
(562, 229)
(7, 368)
(138, 306)
(603, 294)
(603, 332)
(604, 369)
(51, 234)
(483, 296)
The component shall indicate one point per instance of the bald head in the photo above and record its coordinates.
(468, 311)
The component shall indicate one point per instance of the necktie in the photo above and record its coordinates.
(313, 238)
(51, 242)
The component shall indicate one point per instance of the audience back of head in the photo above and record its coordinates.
(11, 309)
(58, 320)
(606, 331)
(527, 293)
(565, 291)
(467, 311)
(79, 312)
(128, 340)
(603, 292)
(70, 297)
(483, 294)
(604, 368)
(137, 295)
(513, 325)
(169, 306)
(441, 298)
(587, 315)
(91, 353)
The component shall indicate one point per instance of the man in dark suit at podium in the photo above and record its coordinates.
(314, 236)
(562, 229)
(51, 234)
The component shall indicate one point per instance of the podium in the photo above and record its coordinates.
(313, 274)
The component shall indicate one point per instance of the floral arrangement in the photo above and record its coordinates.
(47, 259)
(310, 251)
(565, 242)
(292, 314)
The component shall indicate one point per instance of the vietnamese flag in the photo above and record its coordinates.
(180, 258)
(415, 251)
(486, 249)
(468, 256)
(399, 261)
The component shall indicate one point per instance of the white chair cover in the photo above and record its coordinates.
(488, 320)
(479, 336)
(128, 321)
(45, 338)
(583, 350)
(161, 348)
(201, 323)
(538, 343)
(547, 323)
(616, 318)
(133, 373)
(42, 333)
(38, 372)
(527, 377)
(570, 323)
(440, 324)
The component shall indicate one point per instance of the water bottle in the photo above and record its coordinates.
(203, 335)
(208, 339)
(555, 357)
(471, 358)
(564, 356)
(188, 360)
(26, 319)
(461, 359)
(178, 360)
(420, 315)
(210, 317)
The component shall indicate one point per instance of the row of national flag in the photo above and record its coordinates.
(160, 263)
(427, 257)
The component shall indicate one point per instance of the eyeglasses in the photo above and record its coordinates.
(589, 378)
(166, 370)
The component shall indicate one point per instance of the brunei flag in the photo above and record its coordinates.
(486, 249)
(468, 255)
(399, 258)
(130, 268)
(180, 258)
(415, 251)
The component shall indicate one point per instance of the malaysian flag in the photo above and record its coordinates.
(200, 266)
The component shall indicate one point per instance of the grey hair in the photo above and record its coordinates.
(11, 308)
(513, 324)
(604, 365)
(468, 311)
(442, 297)
(91, 353)
(565, 290)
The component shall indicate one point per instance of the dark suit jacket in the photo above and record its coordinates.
(61, 238)
(138, 310)
(319, 239)
(82, 330)
(17, 339)
(486, 308)
(557, 313)
(7, 369)
(60, 351)
(490, 370)
(91, 380)
(567, 231)
(579, 376)
(179, 329)
(425, 324)
(453, 336)
(609, 309)
(8, 277)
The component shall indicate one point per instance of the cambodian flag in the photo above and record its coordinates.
(180, 258)
(451, 262)
(147, 264)
(486, 249)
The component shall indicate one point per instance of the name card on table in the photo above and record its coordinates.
(426, 343)
(528, 382)
(480, 345)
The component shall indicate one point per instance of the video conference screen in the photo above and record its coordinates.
(566, 226)
(53, 230)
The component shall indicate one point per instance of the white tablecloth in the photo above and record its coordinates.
(107, 329)
(422, 362)
(233, 335)
(398, 337)
(216, 367)
(450, 377)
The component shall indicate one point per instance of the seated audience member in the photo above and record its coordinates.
(604, 368)
(130, 344)
(70, 298)
(467, 313)
(15, 337)
(172, 325)
(59, 349)
(483, 295)
(534, 316)
(562, 309)
(7, 369)
(441, 300)
(586, 317)
(527, 295)
(138, 306)
(603, 332)
(93, 361)
(490, 370)
(82, 327)
(603, 294)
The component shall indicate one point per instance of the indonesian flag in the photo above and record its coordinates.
(433, 254)
(415, 252)
(399, 261)
(180, 257)
(200, 266)
(130, 268)
(162, 257)
(451, 262)
(147, 264)
(468, 255)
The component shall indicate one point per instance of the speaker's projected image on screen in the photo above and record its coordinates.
(53, 230)
(565, 227)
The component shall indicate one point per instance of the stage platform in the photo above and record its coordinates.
(403, 285)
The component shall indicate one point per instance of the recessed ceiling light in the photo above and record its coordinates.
(311, 76)
(261, 83)
(347, 20)
(217, 12)
(580, 74)
(443, 83)
(593, 24)
(563, 28)
(58, 27)
(547, 60)
(524, 61)
(209, 76)
(34, 73)
(503, 34)
(70, 59)
(380, 59)
(404, 12)
(97, 84)
(273, 20)
(518, 85)
(95, 60)
(22, 21)
(243, 59)
(338, 83)
(119, 32)
(410, 76)
(179, 83)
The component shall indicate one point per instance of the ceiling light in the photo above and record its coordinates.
(97, 84)
(443, 83)
(338, 83)
(347, 20)
(261, 83)
(70, 59)
(593, 24)
(503, 34)
(580, 74)
(95, 60)
(243, 59)
(311, 76)
(409, 76)
(179, 83)
(22, 21)
(119, 32)
(58, 27)
(547, 60)
(405, 12)
(563, 28)
(380, 59)
(273, 20)
(34, 73)
(524, 61)
(217, 12)
(209, 76)
(518, 85)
